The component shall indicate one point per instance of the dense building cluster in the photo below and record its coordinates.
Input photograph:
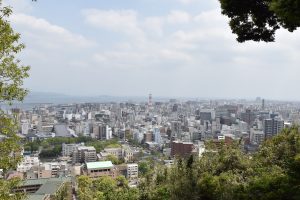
(158, 129)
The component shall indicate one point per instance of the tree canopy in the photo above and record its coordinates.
(258, 20)
(12, 73)
(222, 173)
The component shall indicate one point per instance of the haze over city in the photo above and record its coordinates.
(181, 48)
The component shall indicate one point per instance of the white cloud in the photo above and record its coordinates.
(152, 52)
(187, 1)
(211, 18)
(177, 16)
(47, 34)
(123, 21)
(154, 25)
(19, 5)
(175, 55)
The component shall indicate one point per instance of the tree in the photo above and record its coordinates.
(84, 188)
(258, 20)
(12, 73)
(113, 159)
(105, 188)
(144, 167)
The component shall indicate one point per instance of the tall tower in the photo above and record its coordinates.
(150, 100)
(263, 104)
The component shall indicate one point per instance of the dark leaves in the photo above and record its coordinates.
(258, 20)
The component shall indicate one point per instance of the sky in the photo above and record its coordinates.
(181, 48)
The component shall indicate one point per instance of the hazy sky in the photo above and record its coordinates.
(166, 47)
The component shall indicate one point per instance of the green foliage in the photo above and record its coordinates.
(85, 189)
(288, 12)
(114, 159)
(113, 146)
(144, 167)
(222, 173)
(52, 147)
(12, 74)
(9, 147)
(65, 192)
(31, 146)
(6, 190)
(258, 20)
(51, 153)
(100, 145)
(105, 188)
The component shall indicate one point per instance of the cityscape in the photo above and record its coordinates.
(113, 139)
(149, 100)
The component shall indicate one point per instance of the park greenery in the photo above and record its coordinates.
(222, 173)
(52, 147)
(258, 20)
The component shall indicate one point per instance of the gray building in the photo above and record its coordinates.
(84, 154)
(272, 127)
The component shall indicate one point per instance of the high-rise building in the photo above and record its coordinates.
(150, 103)
(248, 116)
(157, 136)
(273, 126)
(176, 129)
(207, 115)
(25, 127)
(102, 132)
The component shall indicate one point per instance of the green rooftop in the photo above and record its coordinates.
(97, 165)
(51, 187)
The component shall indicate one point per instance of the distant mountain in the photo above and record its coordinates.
(56, 98)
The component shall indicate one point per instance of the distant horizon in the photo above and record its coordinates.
(141, 98)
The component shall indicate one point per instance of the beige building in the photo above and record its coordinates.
(123, 152)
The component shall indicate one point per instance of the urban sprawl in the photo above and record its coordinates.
(112, 139)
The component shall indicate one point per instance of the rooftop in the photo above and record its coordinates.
(89, 148)
(97, 165)
(50, 187)
(37, 197)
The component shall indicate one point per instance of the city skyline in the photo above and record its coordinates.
(181, 48)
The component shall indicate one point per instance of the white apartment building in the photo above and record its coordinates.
(132, 171)
(27, 163)
(25, 125)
